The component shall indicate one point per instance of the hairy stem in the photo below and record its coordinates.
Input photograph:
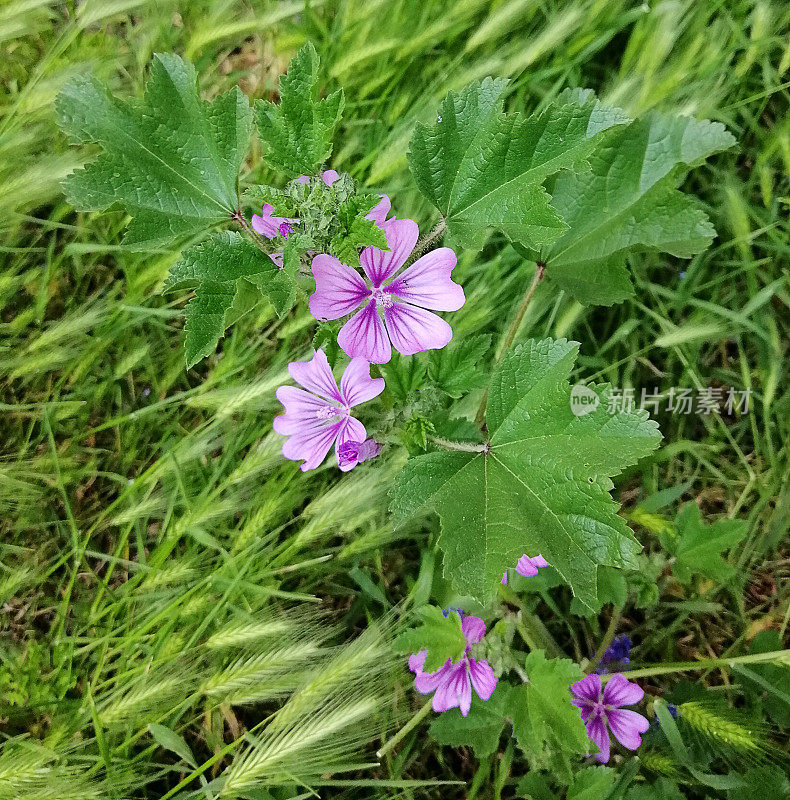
(606, 641)
(409, 726)
(424, 242)
(260, 242)
(530, 628)
(465, 447)
(782, 656)
(512, 331)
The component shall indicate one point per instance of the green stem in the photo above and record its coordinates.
(260, 242)
(465, 447)
(407, 728)
(531, 629)
(426, 241)
(513, 330)
(606, 641)
(707, 663)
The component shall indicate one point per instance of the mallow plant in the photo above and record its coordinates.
(520, 479)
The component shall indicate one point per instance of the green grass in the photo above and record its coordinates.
(161, 564)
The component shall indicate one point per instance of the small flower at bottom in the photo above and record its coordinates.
(452, 684)
(320, 417)
(354, 453)
(601, 708)
(402, 299)
(527, 567)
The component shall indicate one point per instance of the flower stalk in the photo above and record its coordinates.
(405, 730)
(515, 324)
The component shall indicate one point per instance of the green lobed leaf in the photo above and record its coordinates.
(627, 202)
(544, 720)
(215, 269)
(403, 375)
(171, 161)
(456, 369)
(441, 636)
(594, 783)
(484, 169)
(297, 132)
(480, 729)
(540, 486)
(534, 786)
(698, 547)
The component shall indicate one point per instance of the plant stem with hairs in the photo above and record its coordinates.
(515, 324)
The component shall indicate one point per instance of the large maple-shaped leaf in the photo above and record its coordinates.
(484, 169)
(540, 484)
(297, 132)
(628, 201)
(171, 160)
(222, 270)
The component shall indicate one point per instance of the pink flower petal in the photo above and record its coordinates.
(416, 660)
(426, 283)
(266, 224)
(596, 730)
(338, 288)
(379, 212)
(463, 688)
(356, 385)
(427, 682)
(452, 687)
(588, 688)
(586, 708)
(504, 578)
(528, 567)
(329, 176)
(316, 375)
(483, 678)
(350, 430)
(413, 329)
(364, 336)
(473, 629)
(620, 691)
(382, 264)
(311, 445)
(626, 727)
(302, 410)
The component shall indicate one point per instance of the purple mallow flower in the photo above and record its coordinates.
(407, 324)
(528, 567)
(354, 453)
(269, 226)
(316, 419)
(601, 708)
(452, 684)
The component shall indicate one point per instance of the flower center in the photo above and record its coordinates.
(285, 229)
(325, 413)
(382, 297)
(598, 709)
